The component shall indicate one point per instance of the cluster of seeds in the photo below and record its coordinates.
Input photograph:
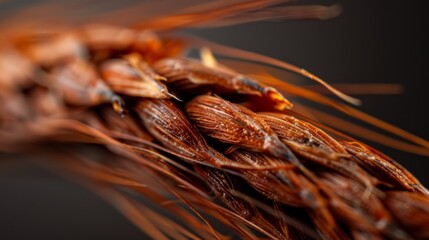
(127, 111)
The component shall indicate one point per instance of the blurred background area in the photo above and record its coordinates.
(370, 42)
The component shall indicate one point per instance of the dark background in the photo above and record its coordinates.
(371, 41)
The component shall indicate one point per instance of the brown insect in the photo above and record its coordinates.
(126, 107)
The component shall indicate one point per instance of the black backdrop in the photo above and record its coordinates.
(372, 41)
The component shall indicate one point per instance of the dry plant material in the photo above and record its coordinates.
(234, 124)
(190, 77)
(133, 77)
(229, 150)
(383, 167)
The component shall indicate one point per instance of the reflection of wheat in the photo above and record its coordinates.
(250, 162)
